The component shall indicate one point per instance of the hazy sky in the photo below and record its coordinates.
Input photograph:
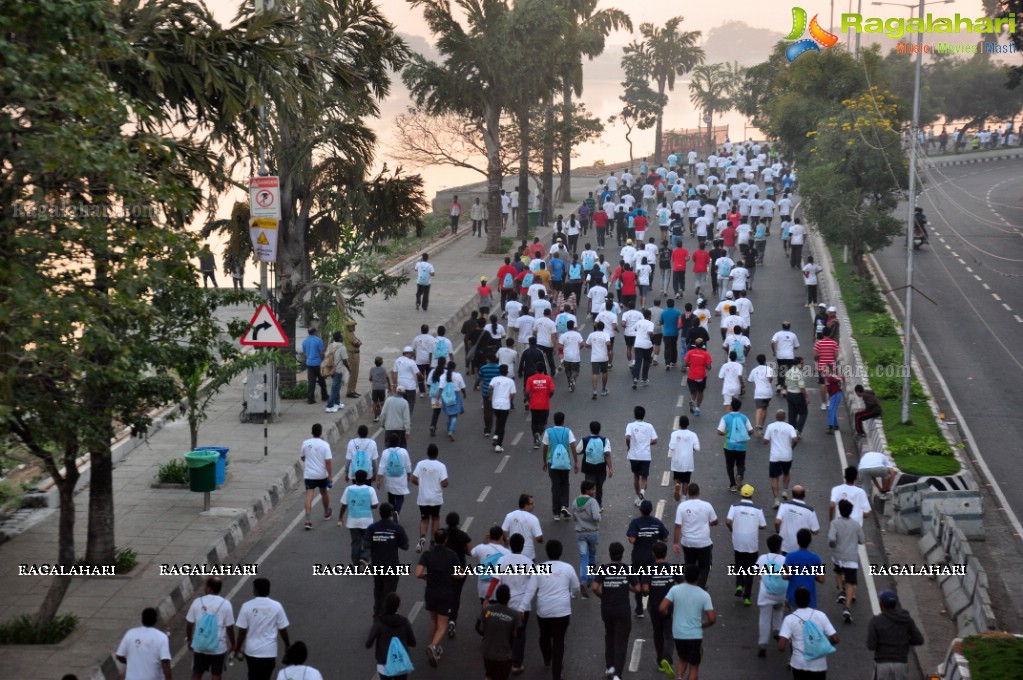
(772, 14)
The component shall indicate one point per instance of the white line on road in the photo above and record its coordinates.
(483, 494)
(941, 239)
(659, 512)
(466, 523)
(996, 296)
(681, 401)
(665, 478)
(518, 438)
(961, 260)
(986, 287)
(1007, 307)
(637, 650)
(500, 466)
(1016, 316)
(416, 608)
(954, 253)
(969, 269)
(977, 277)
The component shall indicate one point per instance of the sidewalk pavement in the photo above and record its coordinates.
(167, 526)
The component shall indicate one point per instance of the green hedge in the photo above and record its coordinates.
(994, 656)
(918, 446)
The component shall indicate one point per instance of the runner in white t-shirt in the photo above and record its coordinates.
(682, 444)
(431, 476)
(145, 651)
(639, 437)
(318, 473)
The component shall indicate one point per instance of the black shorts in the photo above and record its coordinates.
(848, 574)
(214, 663)
(656, 339)
(599, 367)
(378, 396)
(762, 403)
(640, 467)
(682, 477)
(689, 651)
(311, 484)
(438, 603)
(427, 511)
(630, 340)
(497, 670)
(776, 469)
(696, 385)
(611, 342)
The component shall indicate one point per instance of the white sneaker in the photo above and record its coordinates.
(824, 407)
(610, 671)
(638, 501)
(499, 449)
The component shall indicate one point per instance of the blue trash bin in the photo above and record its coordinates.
(221, 461)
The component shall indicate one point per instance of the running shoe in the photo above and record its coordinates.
(421, 544)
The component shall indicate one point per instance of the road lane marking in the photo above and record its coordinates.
(500, 466)
(483, 494)
(1016, 316)
(986, 287)
(681, 402)
(637, 650)
(665, 478)
(1007, 307)
(977, 277)
(518, 438)
(659, 512)
(466, 524)
(416, 608)
(961, 260)
(996, 296)
(969, 269)
(954, 253)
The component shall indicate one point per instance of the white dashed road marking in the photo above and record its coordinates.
(483, 494)
(500, 466)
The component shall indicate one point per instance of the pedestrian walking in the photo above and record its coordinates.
(361, 454)
(395, 472)
(390, 632)
(808, 661)
(502, 397)
(497, 625)
(890, 634)
(782, 439)
(697, 363)
(524, 523)
(810, 271)
(384, 538)
(745, 520)
(844, 537)
(662, 578)
(438, 567)
(260, 621)
(317, 473)
(396, 420)
(335, 357)
(554, 594)
(209, 630)
(643, 532)
(431, 476)
(797, 396)
(691, 611)
(539, 389)
(693, 521)
(406, 377)
(313, 350)
(424, 277)
(682, 445)
(771, 593)
(559, 459)
(736, 428)
(804, 567)
(295, 668)
(461, 544)
(639, 437)
(451, 395)
(358, 501)
(613, 584)
(145, 651)
(522, 588)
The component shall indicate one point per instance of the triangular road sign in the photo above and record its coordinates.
(264, 330)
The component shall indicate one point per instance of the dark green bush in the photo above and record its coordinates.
(173, 472)
(21, 630)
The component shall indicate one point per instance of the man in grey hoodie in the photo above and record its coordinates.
(586, 512)
(890, 634)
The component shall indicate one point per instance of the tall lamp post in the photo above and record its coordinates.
(907, 353)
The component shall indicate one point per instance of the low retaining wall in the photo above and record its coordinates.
(966, 595)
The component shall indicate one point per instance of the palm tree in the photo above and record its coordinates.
(709, 92)
(663, 54)
(586, 37)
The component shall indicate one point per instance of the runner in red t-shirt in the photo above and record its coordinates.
(698, 361)
(507, 292)
(679, 258)
(539, 388)
(701, 260)
(628, 285)
(826, 352)
(600, 224)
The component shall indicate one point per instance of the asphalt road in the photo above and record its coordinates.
(971, 270)
(332, 614)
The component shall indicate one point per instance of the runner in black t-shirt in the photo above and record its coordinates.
(656, 587)
(385, 538)
(642, 533)
(437, 568)
(459, 543)
(612, 584)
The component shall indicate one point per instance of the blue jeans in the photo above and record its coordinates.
(587, 543)
(452, 424)
(335, 389)
(359, 547)
(833, 403)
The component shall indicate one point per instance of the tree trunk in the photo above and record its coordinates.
(565, 185)
(548, 151)
(99, 548)
(495, 178)
(659, 129)
(291, 250)
(522, 227)
(628, 138)
(65, 537)
(710, 132)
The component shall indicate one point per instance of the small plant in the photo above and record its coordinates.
(867, 296)
(296, 391)
(922, 446)
(125, 560)
(881, 326)
(887, 357)
(173, 472)
(890, 387)
(22, 630)
(10, 494)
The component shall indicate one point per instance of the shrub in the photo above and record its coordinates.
(993, 655)
(890, 387)
(10, 494)
(21, 630)
(125, 560)
(921, 446)
(866, 296)
(174, 472)
(881, 326)
(296, 391)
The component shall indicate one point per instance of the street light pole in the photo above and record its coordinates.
(907, 353)
(264, 286)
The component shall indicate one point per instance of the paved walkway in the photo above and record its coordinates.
(167, 526)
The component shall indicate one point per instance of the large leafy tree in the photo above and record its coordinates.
(97, 288)
(661, 55)
(709, 91)
(586, 36)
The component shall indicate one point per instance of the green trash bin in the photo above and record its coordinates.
(534, 218)
(202, 470)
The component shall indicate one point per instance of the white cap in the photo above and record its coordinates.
(729, 295)
(408, 349)
(832, 309)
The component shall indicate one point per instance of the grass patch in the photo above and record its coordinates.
(125, 560)
(10, 495)
(21, 630)
(296, 391)
(994, 656)
(174, 472)
(916, 446)
(398, 249)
